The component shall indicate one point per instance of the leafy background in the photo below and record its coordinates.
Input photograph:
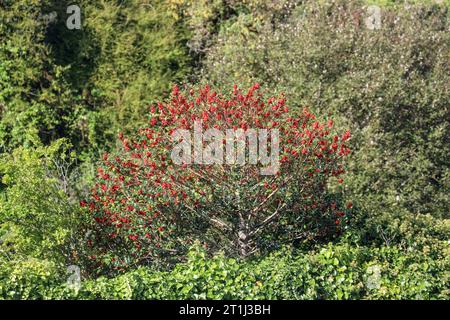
(66, 94)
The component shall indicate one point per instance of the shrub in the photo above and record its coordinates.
(38, 216)
(335, 271)
(30, 279)
(147, 205)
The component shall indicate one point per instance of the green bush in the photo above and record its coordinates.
(38, 210)
(332, 272)
(28, 279)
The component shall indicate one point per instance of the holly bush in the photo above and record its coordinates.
(147, 205)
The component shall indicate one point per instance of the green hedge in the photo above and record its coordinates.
(332, 272)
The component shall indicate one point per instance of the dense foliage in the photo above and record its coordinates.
(87, 180)
(333, 272)
(85, 85)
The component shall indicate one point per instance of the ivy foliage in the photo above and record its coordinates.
(330, 272)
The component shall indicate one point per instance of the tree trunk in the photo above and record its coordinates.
(244, 242)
